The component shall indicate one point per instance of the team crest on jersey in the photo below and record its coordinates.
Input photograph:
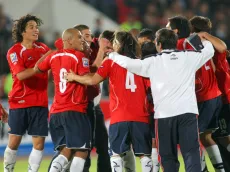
(13, 57)
(85, 62)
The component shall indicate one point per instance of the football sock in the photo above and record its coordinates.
(156, 164)
(215, 158)
(146, 164)
(129, 161)
(203, 163)
(9, 159)
(228, 147)
(35, 159)
(77, 164)
(66, 168)
(116, 163)
(58, 163)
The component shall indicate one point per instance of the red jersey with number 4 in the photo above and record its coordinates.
(127, 94)
(68, 96)
(223, 75)
(206, 83)
(32, 91)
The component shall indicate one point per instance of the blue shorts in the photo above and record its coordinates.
(71, 129)
(124, 134)
(34, 120)
(223, 122)
(208, 114)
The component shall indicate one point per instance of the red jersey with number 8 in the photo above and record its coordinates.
(68, 96)
(127, 94)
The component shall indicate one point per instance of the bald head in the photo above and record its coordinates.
(72, 39)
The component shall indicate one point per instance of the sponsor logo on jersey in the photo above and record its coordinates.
(13, 57)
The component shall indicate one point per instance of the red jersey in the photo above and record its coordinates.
(32, 91)
(94, 90)
(127, 93)
(1, 113)
(223, 75)
(206, 83)
(68, 96)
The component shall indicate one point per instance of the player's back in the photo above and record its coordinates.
(206, 83)
(68, 96)
(127, 95)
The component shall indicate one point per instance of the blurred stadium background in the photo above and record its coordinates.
(99, 15)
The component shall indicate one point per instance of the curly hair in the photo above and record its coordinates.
(20, 26)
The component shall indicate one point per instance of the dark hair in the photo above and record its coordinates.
(148, 33)
(20, 26)
(81, 27)
(148, 48)
(128, 44)
(108, 34)
(182, 24)
(200, 23)
(167, 38)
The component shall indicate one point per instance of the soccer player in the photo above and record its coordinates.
(204, 24)
(173, 91)
(28, 99)
(207, 93)
(128, 125)
(69, 124)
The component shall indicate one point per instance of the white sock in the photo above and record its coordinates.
(58, 163)
(156, 164)
(202, 159)
(116, 163)
(129, 161)
(215, 158)
(77, 164)
(146, 164)
(66, 167)
(9, 159)
(35, 159)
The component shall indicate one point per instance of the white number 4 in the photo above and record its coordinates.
(130, 83)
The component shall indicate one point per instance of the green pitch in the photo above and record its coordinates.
(21, 165)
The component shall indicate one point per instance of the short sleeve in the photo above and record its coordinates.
(104, 69)
(45, 64)
(16, 62)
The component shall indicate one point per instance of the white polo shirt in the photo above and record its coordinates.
(172, 76)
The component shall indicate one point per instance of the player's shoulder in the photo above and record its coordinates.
(15, 48)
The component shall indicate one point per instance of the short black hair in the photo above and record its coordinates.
(20, 26)
(148, 48)
(108, 34)
(148, 33)
(168, 38)
(200, 23)
(182, 24)
(81, 27)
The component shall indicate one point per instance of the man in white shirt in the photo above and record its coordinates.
(172, 76)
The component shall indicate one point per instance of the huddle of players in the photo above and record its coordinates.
(70, 130)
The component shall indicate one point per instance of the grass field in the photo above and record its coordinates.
(21, 165)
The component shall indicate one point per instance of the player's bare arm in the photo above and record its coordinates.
(25, 74)
(217, 43)
(88, 79)
(43, 57)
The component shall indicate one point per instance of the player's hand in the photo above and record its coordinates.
(4, 115)
(202, 35)
(70, 76)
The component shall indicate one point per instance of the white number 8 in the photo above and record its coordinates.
(130, 83)
(62, 83)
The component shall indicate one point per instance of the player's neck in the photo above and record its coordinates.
(28, 44)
